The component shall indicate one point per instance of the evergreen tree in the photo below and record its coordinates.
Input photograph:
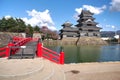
(29, 30)
(36, 29)
(3, 24)
(20, 25)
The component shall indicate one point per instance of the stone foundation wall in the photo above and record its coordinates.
(77, 41)
(5, 37)
(91, 41)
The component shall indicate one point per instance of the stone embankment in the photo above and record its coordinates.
(5, 37)
(76, 41)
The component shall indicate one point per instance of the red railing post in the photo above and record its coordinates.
(8, 49)
(39, 49)
(61, 57)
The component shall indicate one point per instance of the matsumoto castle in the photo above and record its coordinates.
(86, 27)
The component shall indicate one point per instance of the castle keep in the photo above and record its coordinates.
(86, 27)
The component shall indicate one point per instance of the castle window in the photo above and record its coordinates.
(69, 35)
(90, 30)
(89, 24)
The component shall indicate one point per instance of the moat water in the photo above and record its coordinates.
(80, 54)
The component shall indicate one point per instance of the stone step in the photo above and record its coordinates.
(21, 56)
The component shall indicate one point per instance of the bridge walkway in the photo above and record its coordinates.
(27, 51)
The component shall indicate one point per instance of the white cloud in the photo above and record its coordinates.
(95, 10)
(115, 5)
(40, 19)
(7, 17)
(78, 10)
(111, 27)
(107, 27)
(99, 25)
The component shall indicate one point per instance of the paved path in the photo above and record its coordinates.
(92, 71)
(30, 69)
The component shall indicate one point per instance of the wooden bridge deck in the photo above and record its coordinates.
(26, 51)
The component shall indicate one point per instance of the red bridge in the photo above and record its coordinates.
(29, 48)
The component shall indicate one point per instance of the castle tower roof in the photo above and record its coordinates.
(85, 13)
(67, 24)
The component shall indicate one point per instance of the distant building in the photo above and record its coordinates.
(85, 27)
(116, 36)
(36, 35)
(119, 40)
(105, 38)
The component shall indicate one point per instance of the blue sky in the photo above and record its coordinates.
(53, 13)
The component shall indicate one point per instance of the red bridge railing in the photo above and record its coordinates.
(19, 42)
(3, 52)
(49, 54)
(16, 42)
(41, 51)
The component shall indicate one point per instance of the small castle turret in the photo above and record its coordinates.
(68, 31)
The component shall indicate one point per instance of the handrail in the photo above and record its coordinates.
(3, 52)
(49, 50)
(21, 42)
(50, 54)
(1, 49)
